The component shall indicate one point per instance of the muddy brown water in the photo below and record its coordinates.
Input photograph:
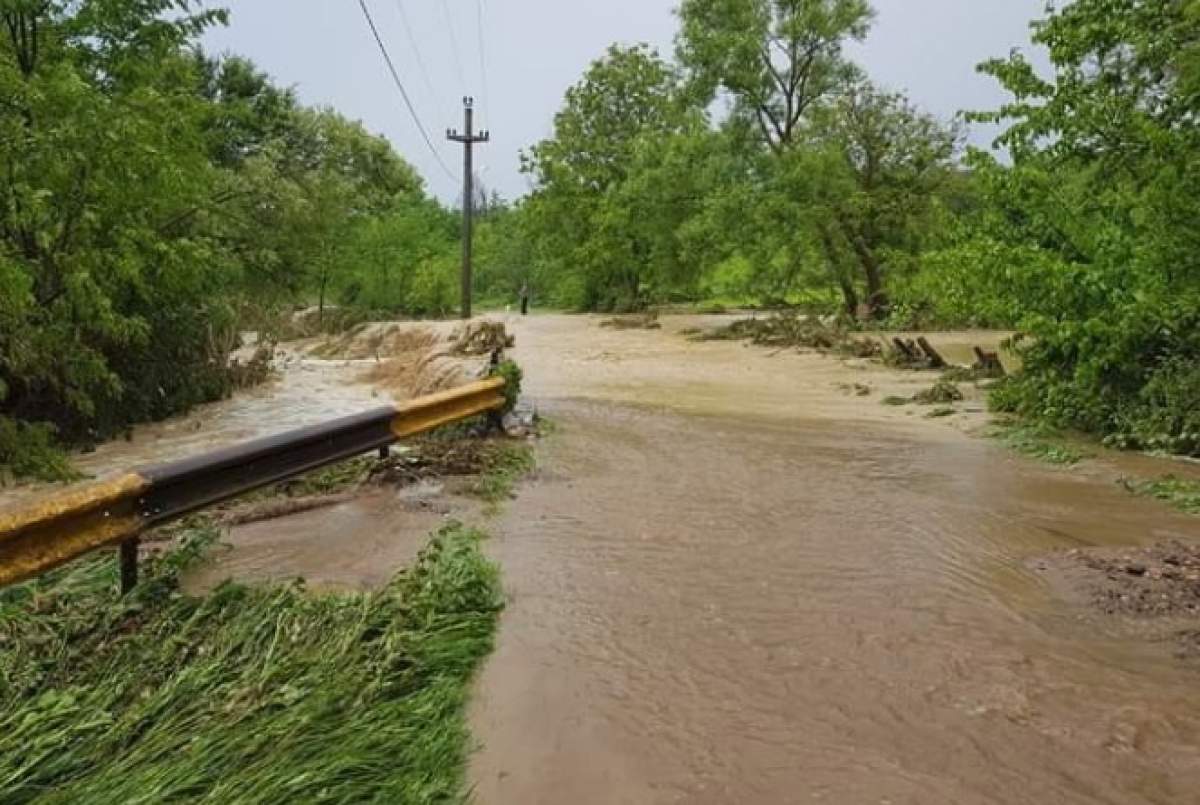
(735, 584)
(737, 581)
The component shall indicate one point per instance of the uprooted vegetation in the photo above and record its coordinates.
(943, 392)
(269, 694)
(791, 329)
(639, 321)
(488, 467)
(1181, 493)
(1037, 441)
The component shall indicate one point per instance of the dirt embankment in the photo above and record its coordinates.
(1150, 593)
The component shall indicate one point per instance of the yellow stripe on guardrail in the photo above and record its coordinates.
(44, 534)
(49, 532)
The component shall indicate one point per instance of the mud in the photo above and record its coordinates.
(357, 544)
(741, 581)
(1158, 581)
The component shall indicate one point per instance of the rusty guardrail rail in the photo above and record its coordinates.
(49, 532)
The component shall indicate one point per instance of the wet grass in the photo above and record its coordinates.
(943, 391)
(1039, 442)
(505, 466)
(1180, 493)
(247, 694)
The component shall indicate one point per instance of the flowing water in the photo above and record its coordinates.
(736, 584)
(739, 578)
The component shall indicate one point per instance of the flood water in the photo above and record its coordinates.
(739, 578)
(733, 584)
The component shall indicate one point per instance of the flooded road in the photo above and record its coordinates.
(735, 583)
(739, 578)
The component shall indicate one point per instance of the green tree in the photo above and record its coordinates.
(775, 58)
(583, 224)
(1100, 203)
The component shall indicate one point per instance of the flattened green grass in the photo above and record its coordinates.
(1180, 493)
(1039, 442)
(245, 695)
(505, 466)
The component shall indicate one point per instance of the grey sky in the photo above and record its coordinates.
(535, 49)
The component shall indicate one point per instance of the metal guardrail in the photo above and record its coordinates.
(49, 532)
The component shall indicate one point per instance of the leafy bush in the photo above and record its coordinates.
(31, 451)
(512, 375)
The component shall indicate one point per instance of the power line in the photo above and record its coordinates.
(462, 80)
(487, 115)
(412, 42)
(403, 92)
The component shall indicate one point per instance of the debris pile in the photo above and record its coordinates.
(1163, 580)
(941, 392)
(639, 321)
(792, 329)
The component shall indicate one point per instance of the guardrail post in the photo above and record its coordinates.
(129, 565)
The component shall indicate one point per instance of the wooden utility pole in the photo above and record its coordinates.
(468, 139)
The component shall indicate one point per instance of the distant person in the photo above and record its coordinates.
(524, 298)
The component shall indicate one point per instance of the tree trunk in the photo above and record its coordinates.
(844, 283)
(321, 298)
(877, 299)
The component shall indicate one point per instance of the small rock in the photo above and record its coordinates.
(1136, 569)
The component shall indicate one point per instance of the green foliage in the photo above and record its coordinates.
(29, 451)
(149, 195)
(505, 467)
(262, 695)
(600, 218)
(512, 375)
(775, 59)
(1181, 493)
(1099, 203)
(1038, 441)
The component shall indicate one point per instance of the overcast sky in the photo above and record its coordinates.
(534, 49)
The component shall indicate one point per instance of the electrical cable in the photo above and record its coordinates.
(387, 57)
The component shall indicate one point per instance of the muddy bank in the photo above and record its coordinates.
(1149, 594)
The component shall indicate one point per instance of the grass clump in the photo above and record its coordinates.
(942, 392)
(1181, 493)
(1038, 441)
(504, 466)
(893, 399)
(245, 695)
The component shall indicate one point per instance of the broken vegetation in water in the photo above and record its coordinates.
(943, 391)
(796, 330)
(495, 464)
(1180, 493)
(1037, 441)
(246, 694)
